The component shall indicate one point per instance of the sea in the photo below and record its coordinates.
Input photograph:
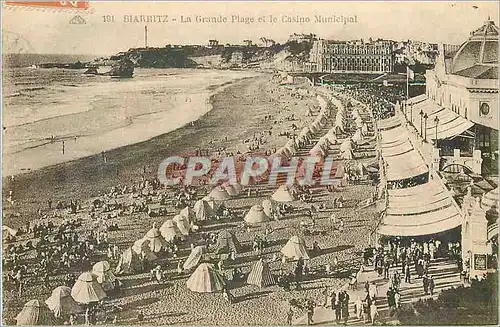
(56, 115)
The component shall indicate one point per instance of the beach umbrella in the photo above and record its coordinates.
(61, 303)
(105, 277)
(35, 313)
(226, 242)
(268, 207)
(206, 279)
(156, 241)
(188, 213)
(260, 275)
(141, 247)
(282, 194)
(256, 215)
(295, 248)
(169, 230)
(182, 224)
(194, 257)
(87, 290)
(203, 211)
(129, 262)
(219, 194)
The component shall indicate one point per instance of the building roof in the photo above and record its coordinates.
(479, 72)
(480, 48)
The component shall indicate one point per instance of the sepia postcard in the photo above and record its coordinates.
(250, 163)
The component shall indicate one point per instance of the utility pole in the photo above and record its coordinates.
(146, 36)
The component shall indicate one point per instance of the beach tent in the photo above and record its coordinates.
(156, 241)
(129, 263)
(7, 231)
(358, 136)
(489, 202)
(206, 279)
(227, 242)
(331, 136)
(105, 277)
(35, 313)
(346, 145)
(188, 213)
(194, 257)
(317, 151)
(231, 189)
(291, 146)
(219, 194)
(347, 155)
(260, 274)
(87, 289)
(203, 211)
(282, 194)
(268, 207)
(256, 215)
(295, 249)
(141, 247)
(182, 224)
(211, 202)
(169, 230)
(61, 303)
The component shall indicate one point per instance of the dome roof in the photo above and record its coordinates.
(480, 49)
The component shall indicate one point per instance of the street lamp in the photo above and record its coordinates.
(421, 113)
(436, 120)
(425, 127)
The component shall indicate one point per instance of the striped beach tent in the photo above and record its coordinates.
(61, 303)
(141, 247)
(35, 313)
(188, 213)
(260, 275)
(182, 224)
(295, 249)
(129, 263)
(206, 279)
(194, 257)
(226, 242)
(169, 230)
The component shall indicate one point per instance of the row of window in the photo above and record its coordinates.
(359, 50)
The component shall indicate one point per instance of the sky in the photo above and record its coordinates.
(49, 31)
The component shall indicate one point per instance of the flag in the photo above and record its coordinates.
(410, 75)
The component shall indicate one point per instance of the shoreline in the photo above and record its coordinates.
(87, 177)
(134, 127)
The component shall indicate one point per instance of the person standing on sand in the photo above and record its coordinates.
(62, 147)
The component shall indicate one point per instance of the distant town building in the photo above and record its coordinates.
(352, 57)
(248, 43)
(213, 43)
(302, 38)
(236, 59)
(415, 52)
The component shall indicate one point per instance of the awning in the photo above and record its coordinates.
(417, 99)
(420, 210)
(403, 166)
(394, 135)
(450, 123)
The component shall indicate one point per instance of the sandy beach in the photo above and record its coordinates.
(238, 114)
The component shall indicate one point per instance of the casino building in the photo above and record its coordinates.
(351, 57)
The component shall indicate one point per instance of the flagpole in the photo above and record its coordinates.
(407, 83)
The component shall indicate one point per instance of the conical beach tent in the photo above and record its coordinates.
(226, 242)
(203, 211)
(188, 213)
(260, 274)
(232, 189)
(256, 215)
(35, 313)
(129, 263)
(206, 279)
(87, 289)
(156, 241)
(219, 194)
(210, 201)
(295, 249)
(169, 231)
(268, 207)
(182, 224)
(61, 303)
(194, 257)
(105, 277)
(282, 194)
(141, 247)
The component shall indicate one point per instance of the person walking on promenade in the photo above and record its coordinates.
(310, 312)
(431, 285)
(425, 282)
(373, 312)
(407, 273)
(358, 306)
